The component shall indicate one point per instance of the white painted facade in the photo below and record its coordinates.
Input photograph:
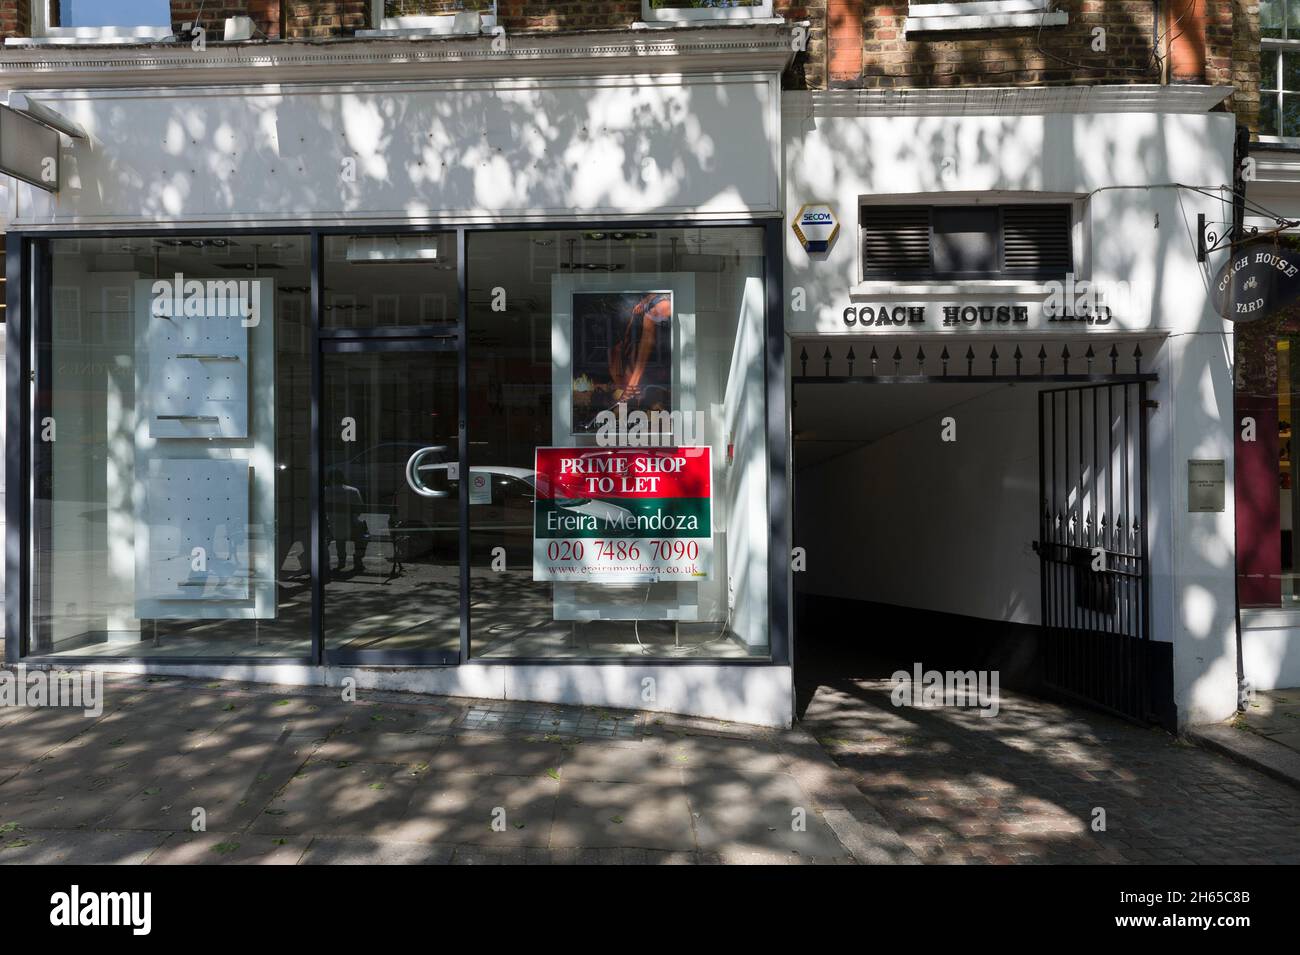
(696, 126)
(1122, 169)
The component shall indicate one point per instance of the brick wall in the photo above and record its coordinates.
(1020, 56)
(519, 16)
(15, 17)
(321, 19)
(861, 43)
(809, 69)
(1245, 63)
(265, 15)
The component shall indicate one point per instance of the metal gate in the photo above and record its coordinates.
(1093, 552)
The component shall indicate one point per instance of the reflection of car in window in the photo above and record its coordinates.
(377, 471)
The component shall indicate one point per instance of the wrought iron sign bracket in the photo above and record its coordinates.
(1209, 240)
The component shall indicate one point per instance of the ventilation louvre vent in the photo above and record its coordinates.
(896, 240)
(963, 243)
(1036, 240)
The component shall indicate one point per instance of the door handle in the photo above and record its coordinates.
(412, 472)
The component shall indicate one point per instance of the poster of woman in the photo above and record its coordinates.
(622, 353)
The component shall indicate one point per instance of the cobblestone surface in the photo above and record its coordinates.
(1026, 785)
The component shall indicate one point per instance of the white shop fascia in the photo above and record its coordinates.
(1134, 165)
(436, 131)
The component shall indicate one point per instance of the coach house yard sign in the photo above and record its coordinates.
(1259, 279)
(971, 316)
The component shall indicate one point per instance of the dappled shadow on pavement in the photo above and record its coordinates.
(188, 771)
(1036, 782)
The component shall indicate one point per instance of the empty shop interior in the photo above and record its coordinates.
(918, 507)
(113, 490)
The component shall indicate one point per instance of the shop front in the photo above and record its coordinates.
(457, 386)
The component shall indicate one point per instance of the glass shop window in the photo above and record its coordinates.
(617, 453)
(172, 496)
(374, 280)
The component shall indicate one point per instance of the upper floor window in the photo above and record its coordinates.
(101, 21)
(432, 16)
(927, 16)
(673, 10)
(1279, 67)
(1020, 241)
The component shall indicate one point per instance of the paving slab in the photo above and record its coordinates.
(71, 792)
(37, 731)
(387, 734)
(168, 705)
(710, 752)
(622, 815)
(423, 717)
(493, 755)
(757, 813)
(341, 799)
(362, 850)
(296, 775)
(134, 737)
(230, 787)
(591, 722)
(285, 717)
(1265, 754)
(80, 847)
(228, 848)
(643, 761)
(472, 809)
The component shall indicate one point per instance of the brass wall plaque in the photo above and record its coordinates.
(1206, 485)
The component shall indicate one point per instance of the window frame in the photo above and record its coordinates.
(929, 16)
(42, 32)
(1276, 47)
(422, 24)
(1000, 275)
(30, 285)
(759, 11)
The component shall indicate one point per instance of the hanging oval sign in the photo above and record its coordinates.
(1257, 281)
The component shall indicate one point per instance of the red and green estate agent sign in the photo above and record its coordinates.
(623, 514)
